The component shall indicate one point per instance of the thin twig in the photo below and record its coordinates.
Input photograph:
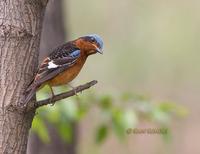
(66, 94)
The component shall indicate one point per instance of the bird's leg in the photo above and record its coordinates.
(74, 89)
(52, 95)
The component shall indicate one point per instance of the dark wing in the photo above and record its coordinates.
(53, 68)
(59, 60)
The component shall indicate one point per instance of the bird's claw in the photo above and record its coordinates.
(51, 99)
(74, 89)
(52, 104)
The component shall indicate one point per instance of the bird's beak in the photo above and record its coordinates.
(97, 49)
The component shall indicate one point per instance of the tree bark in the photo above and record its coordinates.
(20, 29)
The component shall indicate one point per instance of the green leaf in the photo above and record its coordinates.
(40, 129)
(130, 119)
(101, 134)
(118, 123)
(81, 113)
(161, 116)
(172, 107)
(65, 131)
(106, 102)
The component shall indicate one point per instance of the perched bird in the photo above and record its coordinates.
(64, 63)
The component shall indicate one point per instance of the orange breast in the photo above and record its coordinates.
(68, 75)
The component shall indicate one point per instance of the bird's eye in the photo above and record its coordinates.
(92, 39)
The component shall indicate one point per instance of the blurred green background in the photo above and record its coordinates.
(151, 49)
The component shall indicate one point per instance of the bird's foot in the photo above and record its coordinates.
(74, 89)
(52, 96)
(51, 99)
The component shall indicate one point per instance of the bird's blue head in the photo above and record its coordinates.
(98, 40)
(93, 43)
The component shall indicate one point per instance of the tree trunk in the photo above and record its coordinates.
(20, 29)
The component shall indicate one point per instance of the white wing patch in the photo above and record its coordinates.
(52, 65)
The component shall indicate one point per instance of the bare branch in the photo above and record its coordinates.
(66, 94)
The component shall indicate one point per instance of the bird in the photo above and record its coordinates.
(64, 63)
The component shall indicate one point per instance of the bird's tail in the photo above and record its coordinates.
(30, 92)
